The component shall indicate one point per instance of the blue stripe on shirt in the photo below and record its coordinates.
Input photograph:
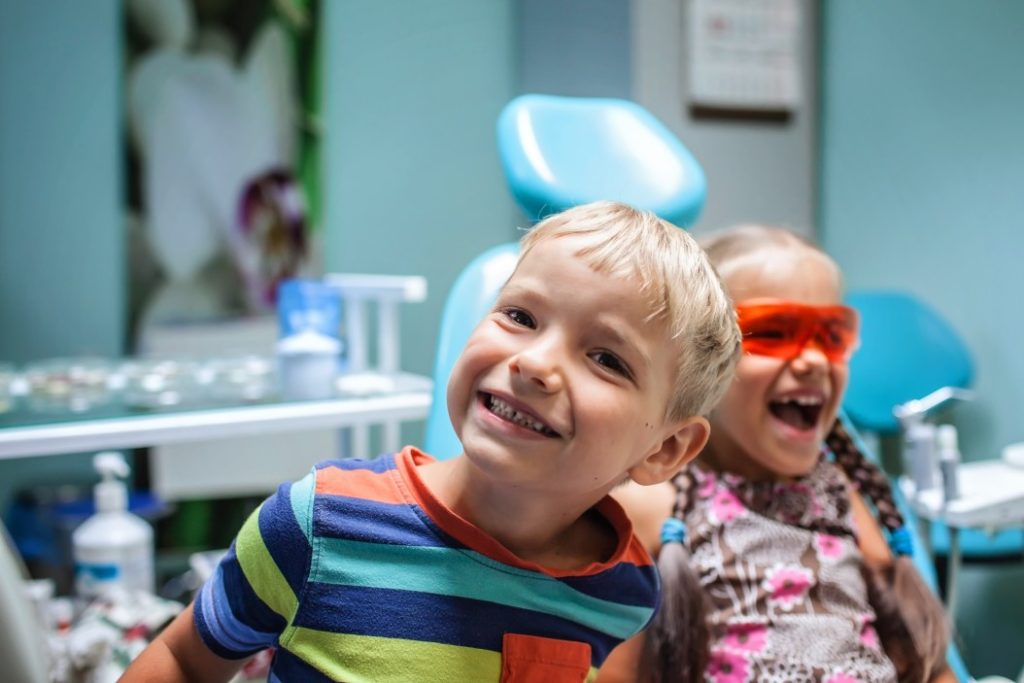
(284, 538)
(390, 523)
(442, 619)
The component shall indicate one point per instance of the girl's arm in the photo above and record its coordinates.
(872, 543)
(944, 676)
(622, 662)
(179, 655)
(647, 507)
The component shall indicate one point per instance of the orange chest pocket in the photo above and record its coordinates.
(532, 659)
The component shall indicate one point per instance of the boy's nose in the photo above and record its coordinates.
(538, 365)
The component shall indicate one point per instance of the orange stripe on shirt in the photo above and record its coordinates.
(365, 484)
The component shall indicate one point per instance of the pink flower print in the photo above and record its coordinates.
(868, 634)
(787, 585)
(725, 507)
(840, 677)
(745, 637)
(731, 479)
(706, 484)
(728, 667)
(813, 504)
(828, 547)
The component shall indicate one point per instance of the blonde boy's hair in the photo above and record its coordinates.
(674, 275)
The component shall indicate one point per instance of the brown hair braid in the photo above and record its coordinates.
(911, 621)
(676, 647)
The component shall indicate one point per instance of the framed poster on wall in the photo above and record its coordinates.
(744, 58)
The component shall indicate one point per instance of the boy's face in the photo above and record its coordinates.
(776, 413)
(563, 387)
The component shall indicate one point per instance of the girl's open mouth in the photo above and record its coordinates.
(799, 412)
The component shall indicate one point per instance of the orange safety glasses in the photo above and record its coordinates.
(782, 329)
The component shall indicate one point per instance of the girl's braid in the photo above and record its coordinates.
(869, 479)
(683, 484)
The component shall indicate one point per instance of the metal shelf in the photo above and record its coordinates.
(159, 428)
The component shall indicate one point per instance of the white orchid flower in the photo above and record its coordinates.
(208, 133)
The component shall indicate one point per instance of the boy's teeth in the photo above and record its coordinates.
(504, 410)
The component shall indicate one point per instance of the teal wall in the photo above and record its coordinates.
(61, 228)
(413, 181)
(922, 188)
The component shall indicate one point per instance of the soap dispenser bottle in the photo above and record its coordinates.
(113, 548)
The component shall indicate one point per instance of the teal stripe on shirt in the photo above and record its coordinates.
(301, 495)
(466, 574)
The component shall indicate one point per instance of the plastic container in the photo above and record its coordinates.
(309, 350)
(68, 384)
(241, 379)
(308, 306)
(113, 549)
(919, 455)
(160, 383)
(308, 365)
(949, 461)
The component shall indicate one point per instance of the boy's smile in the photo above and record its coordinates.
(564, 386)
(511, 412)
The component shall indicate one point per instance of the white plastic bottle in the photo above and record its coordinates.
(113, 548)
(949, 461)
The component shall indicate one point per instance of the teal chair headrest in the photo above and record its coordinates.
(907, 351)
(558, 152)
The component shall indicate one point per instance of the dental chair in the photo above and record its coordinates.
(908, 351)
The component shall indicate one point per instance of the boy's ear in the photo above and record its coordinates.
(678, 448)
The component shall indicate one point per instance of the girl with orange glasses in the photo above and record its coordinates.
(773, 567)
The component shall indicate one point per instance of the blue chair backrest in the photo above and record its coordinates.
(559, 152)
(470, 298)
(907, 351)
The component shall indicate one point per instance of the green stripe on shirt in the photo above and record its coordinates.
(261, 571)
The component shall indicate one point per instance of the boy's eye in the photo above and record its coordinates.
(519, 317)
(612, 362)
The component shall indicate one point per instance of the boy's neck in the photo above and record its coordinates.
(545, 532)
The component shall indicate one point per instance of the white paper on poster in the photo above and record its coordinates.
(744, 54)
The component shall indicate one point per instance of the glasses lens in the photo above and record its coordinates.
(772, 331)
(783, 329)
(837, 333)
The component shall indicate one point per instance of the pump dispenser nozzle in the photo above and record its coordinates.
(111, 494)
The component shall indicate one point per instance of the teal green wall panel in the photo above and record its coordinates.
(922, 188)
(413, 183)
(61, 227)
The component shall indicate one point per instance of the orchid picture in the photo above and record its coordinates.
(222, 139)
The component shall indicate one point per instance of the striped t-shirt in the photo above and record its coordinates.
(358, 573)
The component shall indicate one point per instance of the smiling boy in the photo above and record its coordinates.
(605, 350)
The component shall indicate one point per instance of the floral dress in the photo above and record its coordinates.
(781, 567)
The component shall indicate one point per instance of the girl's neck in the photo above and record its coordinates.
(744, 467)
